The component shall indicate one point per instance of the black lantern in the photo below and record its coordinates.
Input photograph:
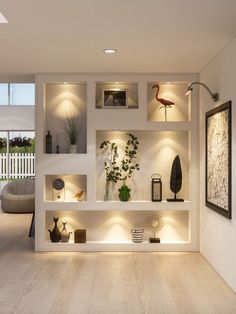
(156, 187)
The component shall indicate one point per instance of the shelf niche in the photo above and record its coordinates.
(63, 100)
(74, 185)
(180, 111)
(131, 89)
(156, 152)
(115, 226)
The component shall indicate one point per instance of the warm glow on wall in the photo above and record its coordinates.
(116, 228)
(66, 104)
(66, 101)
(175, 227)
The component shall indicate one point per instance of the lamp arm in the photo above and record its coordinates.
(215, 96)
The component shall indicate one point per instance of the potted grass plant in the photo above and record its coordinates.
(71, 127)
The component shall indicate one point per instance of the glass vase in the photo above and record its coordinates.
(107, 186)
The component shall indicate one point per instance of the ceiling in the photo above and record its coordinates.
(150, 35)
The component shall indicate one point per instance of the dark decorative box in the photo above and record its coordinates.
(80, 235)
(154, 240)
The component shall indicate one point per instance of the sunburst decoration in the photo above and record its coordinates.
(156, 224)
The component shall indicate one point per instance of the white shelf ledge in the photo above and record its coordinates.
(117, 246)
(118, 205)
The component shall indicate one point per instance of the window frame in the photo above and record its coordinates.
(9, 94)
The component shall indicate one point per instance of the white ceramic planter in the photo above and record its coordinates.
(73, 149)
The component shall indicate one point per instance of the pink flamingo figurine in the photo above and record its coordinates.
(166, 103)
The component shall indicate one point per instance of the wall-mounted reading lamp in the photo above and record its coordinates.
(215, 96)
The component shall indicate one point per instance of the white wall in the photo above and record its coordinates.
(217, 233)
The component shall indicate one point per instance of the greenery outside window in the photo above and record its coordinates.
(17, 155)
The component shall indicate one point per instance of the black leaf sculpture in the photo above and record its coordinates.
(176, 179)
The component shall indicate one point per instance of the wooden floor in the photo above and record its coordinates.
(103, 282)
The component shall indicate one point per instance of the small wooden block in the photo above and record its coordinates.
(154, 240)
(80, 236)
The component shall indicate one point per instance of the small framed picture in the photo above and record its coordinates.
(113, 98)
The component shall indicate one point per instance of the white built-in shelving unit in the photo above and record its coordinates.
(108, 223)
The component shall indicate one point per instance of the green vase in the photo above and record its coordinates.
(124, 193)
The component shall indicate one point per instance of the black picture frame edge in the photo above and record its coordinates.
(226, 213)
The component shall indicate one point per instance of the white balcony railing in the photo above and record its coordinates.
(18, 166)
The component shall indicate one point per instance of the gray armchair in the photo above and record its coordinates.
(18, 197)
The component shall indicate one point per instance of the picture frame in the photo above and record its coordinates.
(218, 159)
(114, 99)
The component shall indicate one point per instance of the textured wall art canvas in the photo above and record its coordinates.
(218, 159)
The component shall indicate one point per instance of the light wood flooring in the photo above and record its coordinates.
(103, 282)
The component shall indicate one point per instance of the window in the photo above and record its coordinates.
(22, 94)
(17, 94)
(3, 94)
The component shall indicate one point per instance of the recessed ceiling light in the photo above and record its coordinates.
(109, 50)
(3, 19)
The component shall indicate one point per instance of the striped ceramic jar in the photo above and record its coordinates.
(137, 235)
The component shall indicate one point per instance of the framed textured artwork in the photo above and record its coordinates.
(218, 159)
(113, 98)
